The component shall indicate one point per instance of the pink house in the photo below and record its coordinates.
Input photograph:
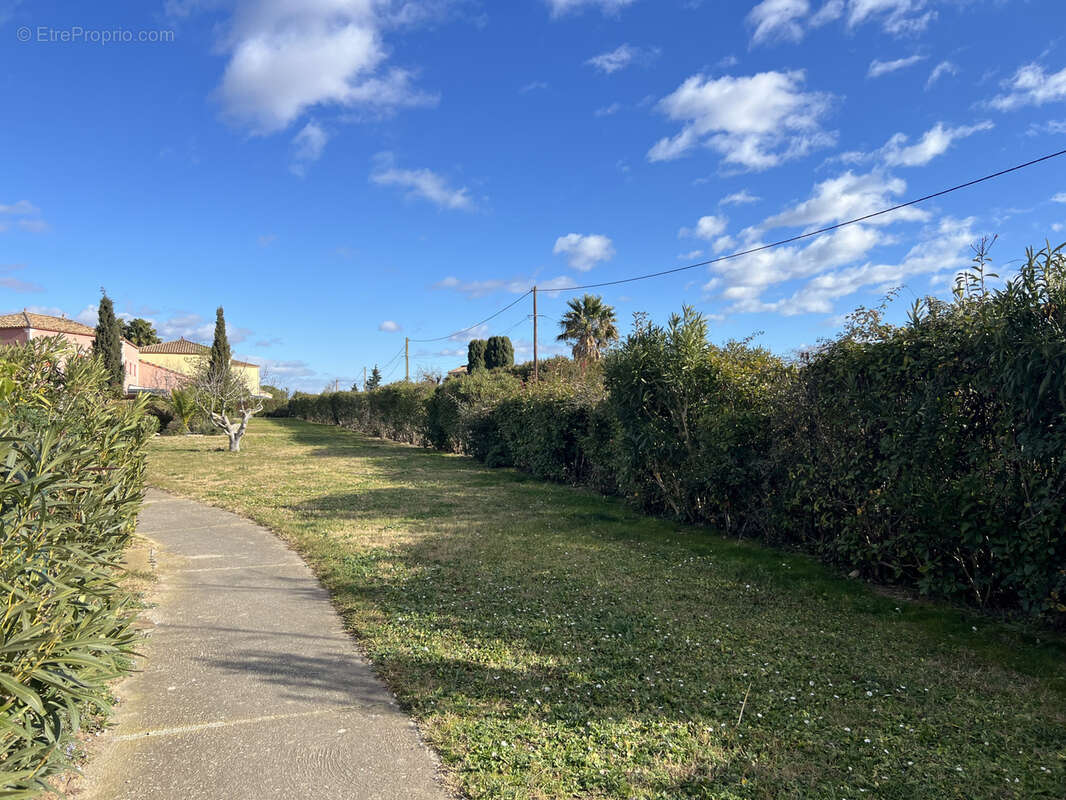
(138, 376)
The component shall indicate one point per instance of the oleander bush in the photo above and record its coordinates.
(932, 454)
(928, 454)
(694, 421)
(71, 481)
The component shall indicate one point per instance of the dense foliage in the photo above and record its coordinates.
(71, 481)
(475, 356)
(933, 454)
(141, 332)
(499, 352)
(928, 454)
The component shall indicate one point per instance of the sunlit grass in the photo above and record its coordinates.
(551, 643)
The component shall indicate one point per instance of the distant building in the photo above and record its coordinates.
(183, 356)
(156, 369)
(455, 373)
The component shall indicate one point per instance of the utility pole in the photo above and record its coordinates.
(536, 362)
(364, 379)
(406, 359)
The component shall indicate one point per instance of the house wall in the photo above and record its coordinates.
(13, 335)
(153, 376)
(187, 364)
(130, 365)
(84, 341)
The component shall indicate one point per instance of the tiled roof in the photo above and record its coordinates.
(44, 322)
(183, 347)
(178, 347)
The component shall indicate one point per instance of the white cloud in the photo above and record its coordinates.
(389, 326)
(754, 122)
(777, 20)
(895, 16)
(561, 7)
(943, 248)
(607, 111)
(25, 216)
(288, 56)
(20, 208)
(743, 197)
(308, 145)
(10, 281)
(747, 278)
(1052, 126)
(846, 197)
(266, 239)
(939, 71)
(192, 327)
(896, 152)
(1031, 85)
(584, 252)
(1059, 198)
(933, 143)
(422, 183)
(879, 68)
(533, 86)
(513, 286)
(708, 228)
(789, 20)
(273, 369)
(621, 57)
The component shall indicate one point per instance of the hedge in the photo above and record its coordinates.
(928, 454)
(71, 481)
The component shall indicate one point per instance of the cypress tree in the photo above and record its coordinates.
(475, 355)
(107, 347)
(499, 352)
(374, 381)
(220, 353)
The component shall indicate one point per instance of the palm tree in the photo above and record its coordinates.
(184, 405)
(590, 325)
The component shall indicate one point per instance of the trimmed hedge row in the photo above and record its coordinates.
(929, 455)
(71, 481)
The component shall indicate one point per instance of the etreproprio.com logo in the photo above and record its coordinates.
(76, 34)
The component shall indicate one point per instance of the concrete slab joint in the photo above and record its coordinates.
(249, 687)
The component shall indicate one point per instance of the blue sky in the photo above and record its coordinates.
(342, 173)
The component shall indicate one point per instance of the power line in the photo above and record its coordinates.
(476, 324)
(809, 234)
(760, 248)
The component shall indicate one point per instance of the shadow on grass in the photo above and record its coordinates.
(519, 608)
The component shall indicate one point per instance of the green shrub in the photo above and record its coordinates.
(460, 415)
(161, 410)
(929, 455)
(932, 454)
(545, 426)
(71, 481)
(694, 421)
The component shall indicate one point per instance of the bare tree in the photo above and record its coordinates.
(220, 393)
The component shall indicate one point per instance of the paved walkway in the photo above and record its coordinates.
(250, 687)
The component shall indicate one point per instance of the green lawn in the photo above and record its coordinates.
(551, 643)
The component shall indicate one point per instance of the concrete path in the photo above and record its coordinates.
(250, 687)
